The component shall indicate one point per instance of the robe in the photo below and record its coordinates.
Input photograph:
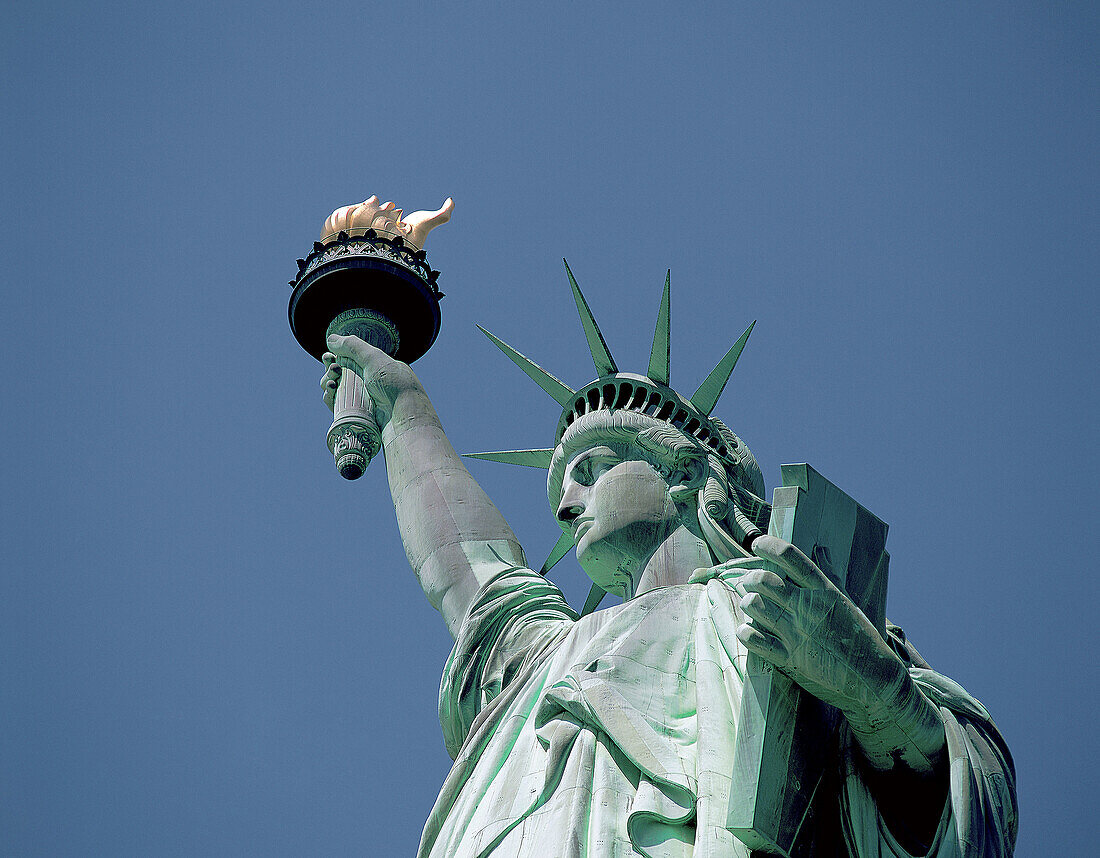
(613, 734)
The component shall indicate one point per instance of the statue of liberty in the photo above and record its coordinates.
(613, 732)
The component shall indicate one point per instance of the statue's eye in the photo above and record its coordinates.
(588, 470)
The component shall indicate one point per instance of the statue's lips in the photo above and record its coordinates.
(580, 528)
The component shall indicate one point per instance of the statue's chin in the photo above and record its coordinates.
(615, 589)
(606, 568)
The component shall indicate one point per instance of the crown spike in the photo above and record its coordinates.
(706, 397)
(659, 354)
(560, 549)
(595, 596)
(601, 355)
(559, 391)
(527, 458)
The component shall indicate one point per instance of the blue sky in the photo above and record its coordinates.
(212, 645)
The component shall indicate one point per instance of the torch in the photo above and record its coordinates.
(367, 277)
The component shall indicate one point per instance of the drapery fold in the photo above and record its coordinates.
(614, 733)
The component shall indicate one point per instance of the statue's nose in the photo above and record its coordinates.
(569, 514)
(571, 505)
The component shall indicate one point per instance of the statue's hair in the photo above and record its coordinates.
(730, 498)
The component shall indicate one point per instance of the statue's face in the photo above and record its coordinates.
(620, 510)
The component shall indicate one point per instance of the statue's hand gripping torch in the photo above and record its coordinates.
(367, 277)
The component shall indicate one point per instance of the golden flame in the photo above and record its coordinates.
(385, 219)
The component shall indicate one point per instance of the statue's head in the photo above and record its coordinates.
(621, 481)
(633, 461)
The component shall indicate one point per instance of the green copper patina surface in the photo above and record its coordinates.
(748, 693)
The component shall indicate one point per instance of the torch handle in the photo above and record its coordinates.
(354, 437)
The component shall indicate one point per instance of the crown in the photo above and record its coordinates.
(649, 394)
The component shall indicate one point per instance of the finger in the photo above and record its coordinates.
(348, 347)
(702, 574)
(740, 563)
(767, 583)
(328, 358)
(336, 345)
(731, 570)
(780, 598)
(795, 565)
(760, 609)
(769, 617)
(330, 380)
(744, 566)
(360, 352)
(762, 643)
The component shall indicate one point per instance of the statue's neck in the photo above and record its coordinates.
(674, 560)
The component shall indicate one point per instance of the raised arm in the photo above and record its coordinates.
(454, 537)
